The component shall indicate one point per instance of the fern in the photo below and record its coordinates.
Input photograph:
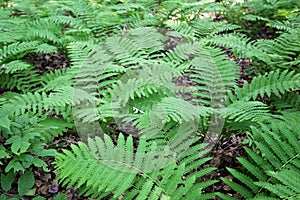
(145, 84)
(139, 21)
(269, 170)
(274, 82)
(182, 27)
(240, 45)
(101, 157)
(207, 27)
(13, 66)
(126, 59)
(283, 50)
(16, 80)
(17, 48)
(287, 101)
(214, 75)
(283, 25)
(101, 161)
(243, 111)
(43, 29)
(40, 103)
(56, 79)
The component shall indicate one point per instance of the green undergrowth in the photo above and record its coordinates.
(145, 134)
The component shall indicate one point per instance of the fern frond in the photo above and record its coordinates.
(149, 80)
(283, 25)
(179, 110)
(16, 65)
(181, 27)
(288, 187)
(46, 49)
(283, 50)
(291, 116)
(168, 184)
(239, 44)
(288, 100)
(243, 111)
(17, 49)
(43, 29)
(26, 102)
(251, 17)
(50, 127)
(41, 104)
(79, 8)
(152, 41)
(138, 21)
(214, 75)
(207, 27)
(80, 51)
(274, 82)
(56, 79)
(237, 187)
(278, 159)
(101, 167)
(97, 167)
(17, 79)
(209, 68)
(66, 20)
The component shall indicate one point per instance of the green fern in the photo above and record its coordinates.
(284, 50)
(17, 79)
(268, 171)
(289, 100)
(244, 111)
(241, 46)
(17, 49)
(139, 168)
(207, 27)
(99, 166)
(134, 52)
(14, 66)
(283, 25)
(214, 74)
(275, 82)
(126, 59)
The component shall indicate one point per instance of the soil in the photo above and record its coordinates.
(225, 155)
(47, 62)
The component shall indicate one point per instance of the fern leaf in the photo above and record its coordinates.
(240, 45)
(88, 165)
(14, 66)
(275, 82)
(17, 49)
(273, 167)
(237, 187)
(283, 49)
(243, 111)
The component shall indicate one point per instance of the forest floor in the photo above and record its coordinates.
(225, 153)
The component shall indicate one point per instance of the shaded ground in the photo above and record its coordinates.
(47, 62)
(225, 155)
(225, 152)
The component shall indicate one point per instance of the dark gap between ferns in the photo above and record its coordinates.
(261, 29)
(225, 154)
(47, 62)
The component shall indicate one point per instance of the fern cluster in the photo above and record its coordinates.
(125, 59)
